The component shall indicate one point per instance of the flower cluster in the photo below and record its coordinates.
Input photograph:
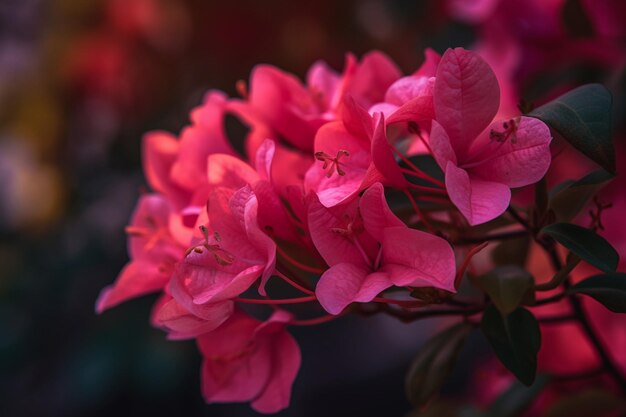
(327, 193)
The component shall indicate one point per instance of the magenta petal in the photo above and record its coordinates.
(466, 96)
(331, 187)
(264, 158)
(372, 77)
(257, 238)
(229, 172)
(137, 278)
(479, 201)
(416, 258)
(345, 283)
(406, 89)
(183, 324)
(383, 159)
(376, 213)
(431, 62)
(205, 137)
(159, 153)
(285, 361)
(284, 102)
(355, 118)
(522, 159)
(418, 109)
(333, 247)
(323, 80)
(235, 368)
(441, 146)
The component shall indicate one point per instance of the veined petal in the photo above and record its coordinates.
(416, 258)
(333, 247)
(137, 278)
(521, 159)
(466, 96)
(479, 201)
(234, 368)
(440, 145)
(285, 361)
(376, 212)
(184, 324)
(382, 156)
(345, 283)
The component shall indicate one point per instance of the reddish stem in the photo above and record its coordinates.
(466, 262)
(418, 172)
(419, 212)
(293, 283)
(298, 300)
(298, 264)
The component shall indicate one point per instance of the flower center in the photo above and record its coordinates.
(510, 128)
(221, 256)
(332, 164)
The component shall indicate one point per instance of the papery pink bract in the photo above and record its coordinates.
(369, 250)
(480, 164)
(296, 111)
(181, 323)
(177, 168)
(352, 155)
(248, 360)
(153, 253)
(234, 254)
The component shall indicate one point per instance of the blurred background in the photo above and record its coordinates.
(81, 81)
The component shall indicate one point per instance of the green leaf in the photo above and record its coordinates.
(586, 244)
(570, 197)
(517, 398)
(512, 251)
(506, 286)
(515, 339)
(608, 289)
(433, 364)
(592, 402)
(583, 117)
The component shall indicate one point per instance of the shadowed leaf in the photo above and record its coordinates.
(608, 289)
(586, 244)
(516, 339)
(583, 117)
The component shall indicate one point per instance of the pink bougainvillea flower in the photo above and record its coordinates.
(296, 111)
(233, 253)
(181, 323)
(232, 173)
(369, 250)
(153, 254)
(410, 98)
(248, 360)
(482, 161)
(177, 168)
(352, 155)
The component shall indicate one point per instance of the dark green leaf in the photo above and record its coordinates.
(593, 402)
(517, 398)
(506, 286)
(512, 252)
(608, 289)
(583, 117)
(433, 364)
(515, 339)
(570, 197)
(586, 244)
